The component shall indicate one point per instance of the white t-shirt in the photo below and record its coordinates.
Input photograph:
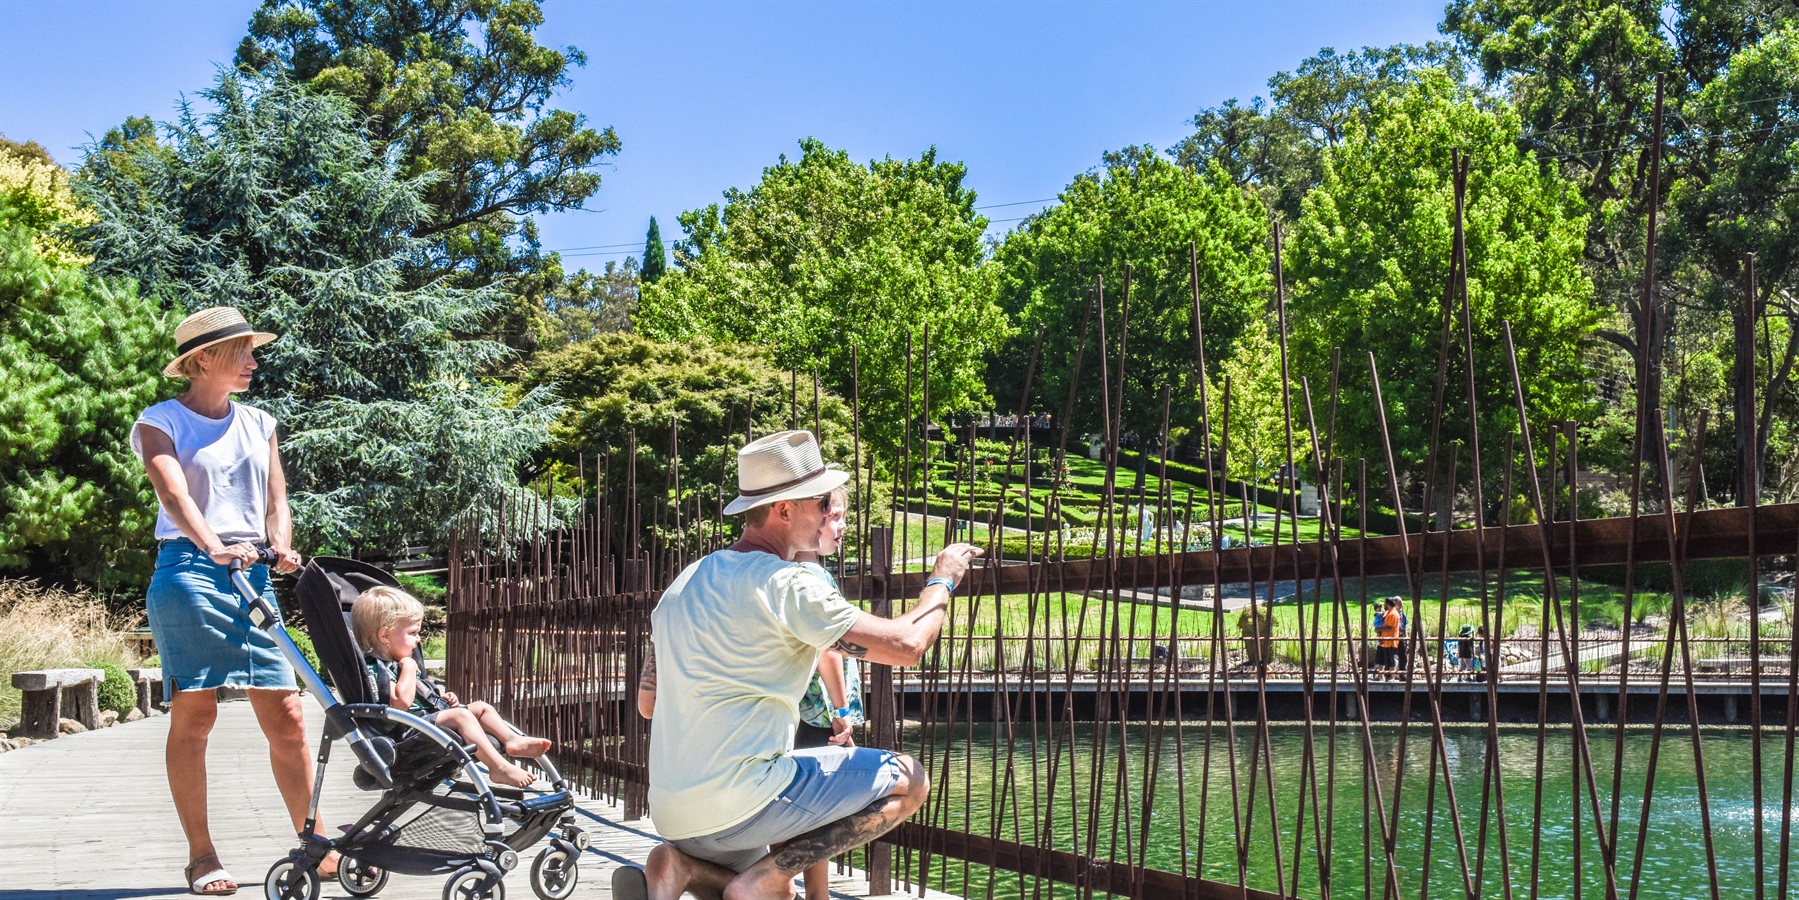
(226, 462)
(736, 638)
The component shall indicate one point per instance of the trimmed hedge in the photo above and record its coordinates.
(117, 693)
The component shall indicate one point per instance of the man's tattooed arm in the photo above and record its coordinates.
(647, 681)
(850, 648)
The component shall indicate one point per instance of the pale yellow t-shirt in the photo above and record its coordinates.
(736, 639)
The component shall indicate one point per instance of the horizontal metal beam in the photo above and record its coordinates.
(1099, 876)
(1711, 534)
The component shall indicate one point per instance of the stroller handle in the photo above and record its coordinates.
(264, 556)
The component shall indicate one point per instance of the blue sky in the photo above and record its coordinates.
(704, 95)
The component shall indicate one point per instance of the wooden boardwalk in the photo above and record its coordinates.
(88, 817)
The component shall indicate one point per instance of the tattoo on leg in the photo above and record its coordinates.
(826, 841)
(848, 648)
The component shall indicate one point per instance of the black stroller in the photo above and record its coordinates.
(437, 812)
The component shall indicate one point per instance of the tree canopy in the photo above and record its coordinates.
(79, 357)
(622, 385)
(456, 89)
(274, 202)
(1369, 260)
(824, 254)
(1143, 211)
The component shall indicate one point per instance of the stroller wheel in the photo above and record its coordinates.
(554, 873)
(360, 880)
(288, 880)
(471, 883)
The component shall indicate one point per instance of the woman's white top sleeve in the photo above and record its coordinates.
(226, 462)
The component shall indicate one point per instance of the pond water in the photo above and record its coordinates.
(979, 798)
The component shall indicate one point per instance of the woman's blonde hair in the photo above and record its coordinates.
(234, 350)
(382, 607)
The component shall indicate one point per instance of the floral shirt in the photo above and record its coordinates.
(816, 708)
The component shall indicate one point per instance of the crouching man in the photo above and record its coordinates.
(735, 641)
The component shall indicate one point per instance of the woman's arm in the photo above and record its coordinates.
(279, 525)
(406, 687)
(164, 469)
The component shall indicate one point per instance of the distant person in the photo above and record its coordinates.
(1390, 626)
(1465, 652)
(736, 640)
(215, 465)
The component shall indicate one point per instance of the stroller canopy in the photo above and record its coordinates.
(327, 588)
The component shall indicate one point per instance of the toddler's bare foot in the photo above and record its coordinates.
(513, 775)
(525, 747)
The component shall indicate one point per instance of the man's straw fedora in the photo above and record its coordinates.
(783, 466)
(208, 327)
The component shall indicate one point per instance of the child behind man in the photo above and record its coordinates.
(386, 622)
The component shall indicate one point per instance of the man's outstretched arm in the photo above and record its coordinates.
(903, 641)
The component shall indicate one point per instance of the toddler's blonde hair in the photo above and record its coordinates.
(381, 607)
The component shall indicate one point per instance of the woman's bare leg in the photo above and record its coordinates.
(282, 715)
(191, 717)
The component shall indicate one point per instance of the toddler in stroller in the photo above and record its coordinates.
(438, 811)
(386, 622)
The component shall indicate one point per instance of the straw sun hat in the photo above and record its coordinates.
(208, 327)
(783, 466)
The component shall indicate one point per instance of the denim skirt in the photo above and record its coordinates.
(202, 625)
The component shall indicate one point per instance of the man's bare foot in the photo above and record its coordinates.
(515, 776)
(525, 747)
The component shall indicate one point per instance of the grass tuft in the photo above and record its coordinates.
(47, 628)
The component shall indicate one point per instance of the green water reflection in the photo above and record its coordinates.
(972, 794)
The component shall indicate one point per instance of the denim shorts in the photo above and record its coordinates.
(202, 625)
(831, 784)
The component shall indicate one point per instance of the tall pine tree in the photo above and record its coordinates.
(78, 359)
(273, 202)
(655, 259)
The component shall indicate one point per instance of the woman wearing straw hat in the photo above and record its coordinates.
(217, 473)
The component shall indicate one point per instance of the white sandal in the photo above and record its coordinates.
(214, 875)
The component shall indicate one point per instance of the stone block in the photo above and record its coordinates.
(108, 718)
(70, 726)
(135, 715)
(45, 679)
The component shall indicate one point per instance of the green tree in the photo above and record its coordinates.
(456, 89)
(655, 259)
(1748, 204)
(1141, 210)
(1369, 260)
(1277, 145)
(79, 357)
(825, 254)
(275, 203)
(1256, 444)
(618, 385)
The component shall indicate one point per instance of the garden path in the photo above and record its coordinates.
(88, 817)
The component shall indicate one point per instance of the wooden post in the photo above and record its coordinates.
(882, 704)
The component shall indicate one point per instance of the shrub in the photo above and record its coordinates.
(303, 641)
(117, 693)
(47, 628)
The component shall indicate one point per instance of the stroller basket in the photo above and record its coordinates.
(436, 811)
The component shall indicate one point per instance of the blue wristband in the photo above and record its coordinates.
(948, 585)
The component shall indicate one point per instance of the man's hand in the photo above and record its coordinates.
(953, 562)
